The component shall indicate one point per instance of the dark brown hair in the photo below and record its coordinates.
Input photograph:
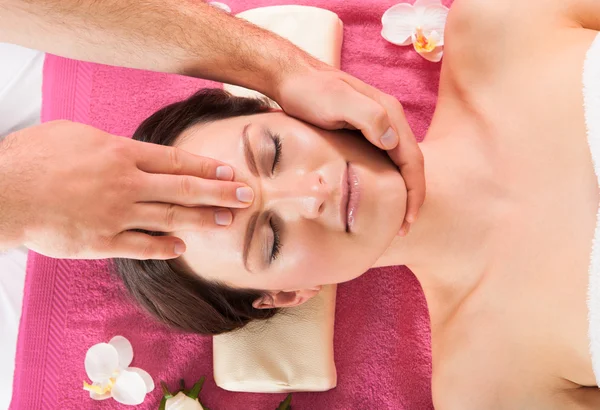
(167, 289)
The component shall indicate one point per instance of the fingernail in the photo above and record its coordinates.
(244, 194)
(223, 217)
(389, 139)
(179, 248)
(224, 173)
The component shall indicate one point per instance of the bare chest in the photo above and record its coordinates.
(523, 334)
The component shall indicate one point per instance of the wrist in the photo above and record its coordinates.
(293, 64)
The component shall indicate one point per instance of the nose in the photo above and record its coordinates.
(305, 194)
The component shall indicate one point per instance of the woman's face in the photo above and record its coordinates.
(297, 234)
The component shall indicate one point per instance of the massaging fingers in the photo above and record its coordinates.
(159, 159)
(175, 176)
(409, 158)
(407, 154)
(191, 191)
(137, 245)
(171, 218)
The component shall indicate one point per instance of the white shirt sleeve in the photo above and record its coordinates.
(20, 107)
(20, 87)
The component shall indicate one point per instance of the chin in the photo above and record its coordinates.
(380, 213)
(384, 194)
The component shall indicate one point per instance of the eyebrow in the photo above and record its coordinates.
(250, 160)
(248, 238)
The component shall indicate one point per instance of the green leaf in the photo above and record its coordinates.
(286, 404)
(167, 394)
(195, 392)
(163, 404)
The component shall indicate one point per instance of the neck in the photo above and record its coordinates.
(445, 248)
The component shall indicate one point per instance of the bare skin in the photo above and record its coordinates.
(176, 36)
(503, 243)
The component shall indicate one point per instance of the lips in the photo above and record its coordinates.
(350, 197)
(353, 197)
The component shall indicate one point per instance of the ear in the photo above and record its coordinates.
(284, 299)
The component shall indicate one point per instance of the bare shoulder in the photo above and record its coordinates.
(482, 39)
(486, 16)
(488, 42)
(484, 24)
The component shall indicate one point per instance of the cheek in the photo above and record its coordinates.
(214, 255)
(320, 257)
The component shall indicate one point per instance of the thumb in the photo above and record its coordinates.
(141, 246)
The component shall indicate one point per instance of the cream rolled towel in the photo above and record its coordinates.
(291, 352)
(294, 350)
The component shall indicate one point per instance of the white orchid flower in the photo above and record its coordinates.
(107, 366)
(182, 402)
(421, 24)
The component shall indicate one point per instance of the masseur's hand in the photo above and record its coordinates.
(332, 99)
(69, 190)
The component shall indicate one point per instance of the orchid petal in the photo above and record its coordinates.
(145, 376)
(433, 18)
(435, 55)
(182, 402)
(436, 38)
(399, 22)
(129, 388)
(124, 349)
(97, 396)
(221, 6)
(101, 361)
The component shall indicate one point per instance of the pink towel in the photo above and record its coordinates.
(382, 349)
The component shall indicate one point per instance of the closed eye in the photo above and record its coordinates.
(276, 248)
(277, 157)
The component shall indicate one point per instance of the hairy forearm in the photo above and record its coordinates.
(11, 229)
(186, 37)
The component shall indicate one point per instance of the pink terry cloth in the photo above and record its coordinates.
(382, 335)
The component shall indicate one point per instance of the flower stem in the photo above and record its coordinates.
(286, 404)
(165, 390)
(195, 392)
